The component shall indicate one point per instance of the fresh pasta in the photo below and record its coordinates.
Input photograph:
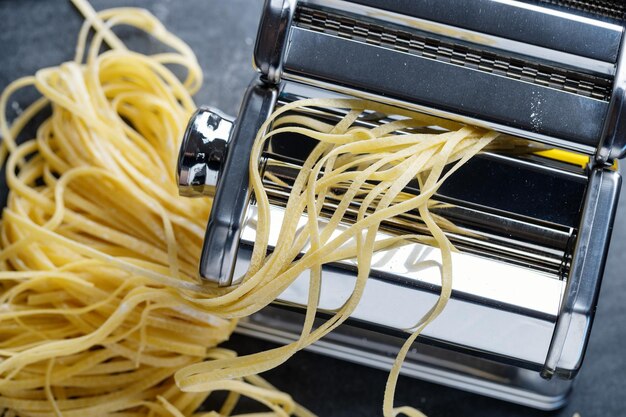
(101, 312)
(97, 245)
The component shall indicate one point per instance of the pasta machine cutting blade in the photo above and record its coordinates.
(528, 275)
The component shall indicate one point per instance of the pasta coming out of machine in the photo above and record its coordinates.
(532, 228)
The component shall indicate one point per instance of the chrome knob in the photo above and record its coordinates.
(203, 152)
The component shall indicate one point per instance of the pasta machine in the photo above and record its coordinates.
(527, 277)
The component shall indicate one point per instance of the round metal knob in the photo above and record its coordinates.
(203, 152)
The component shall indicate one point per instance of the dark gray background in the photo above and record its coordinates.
(39, 33)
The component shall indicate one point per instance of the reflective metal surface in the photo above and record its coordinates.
(520, 302)
(464, 54)
(202, 152)
(353, 343)
(517, 298)
(613, 143)
(510, 19)
(444, 86)
(533, 181)
(332, 90)
(466, 36)
(404, 283)
(270, 42)
(486, 232)
(221, 241)
(514, 208)
(581, 295)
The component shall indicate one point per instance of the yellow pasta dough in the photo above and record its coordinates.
(101, 312)
(96, 243)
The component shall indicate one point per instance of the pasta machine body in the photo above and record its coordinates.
(528, 272)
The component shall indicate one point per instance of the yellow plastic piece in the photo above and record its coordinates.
(568, 157)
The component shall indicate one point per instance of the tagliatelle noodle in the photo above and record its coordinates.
(96, 244)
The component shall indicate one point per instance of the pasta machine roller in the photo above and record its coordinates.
(527, 276)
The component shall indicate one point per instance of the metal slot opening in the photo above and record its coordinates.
(438, 49)
(441, 80)
(530, 221)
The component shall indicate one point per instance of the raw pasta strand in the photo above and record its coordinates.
(96, 244)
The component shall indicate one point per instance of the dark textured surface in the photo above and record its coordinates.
(38, 33)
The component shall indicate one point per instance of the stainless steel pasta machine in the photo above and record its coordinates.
(527, 278)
